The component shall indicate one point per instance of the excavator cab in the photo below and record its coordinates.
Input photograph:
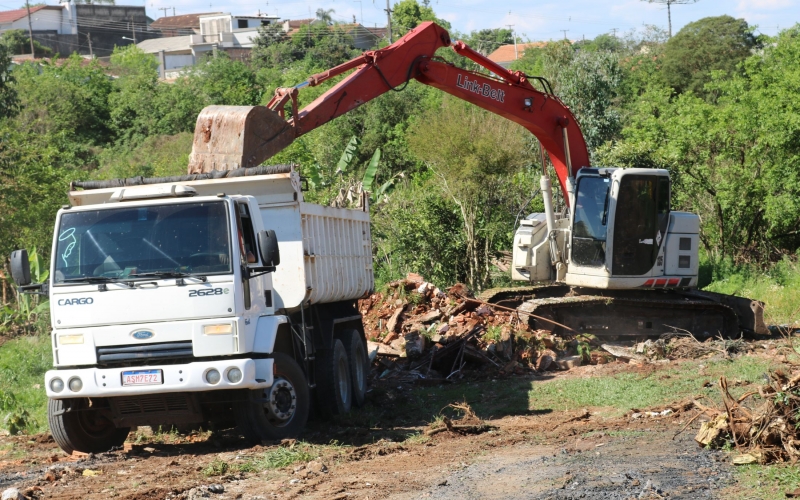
(621, 234)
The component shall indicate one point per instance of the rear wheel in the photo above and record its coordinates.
(277, 412)
(77, 427)
(334, 385)
(354, 344)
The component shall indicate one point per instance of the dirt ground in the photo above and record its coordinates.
(534, 454)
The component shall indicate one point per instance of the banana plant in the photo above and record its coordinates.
(348, 156)
(371, 172)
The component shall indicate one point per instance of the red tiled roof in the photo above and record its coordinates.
(10, 16)
(505, 53)
(186, 21)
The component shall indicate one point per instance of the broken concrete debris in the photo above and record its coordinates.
(417, 332)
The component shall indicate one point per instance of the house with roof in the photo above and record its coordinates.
(233, 34)
(186, 24)
(216, 31)
(507, 54)
(82, 28)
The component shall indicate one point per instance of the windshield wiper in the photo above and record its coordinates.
(167, 274)
(90, 279)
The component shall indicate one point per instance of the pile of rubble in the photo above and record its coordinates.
(762, 424)
(419, 332)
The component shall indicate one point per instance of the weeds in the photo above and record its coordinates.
(279, 458)
(23, 402)
(216, 468)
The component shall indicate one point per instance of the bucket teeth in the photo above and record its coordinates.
(231, 137)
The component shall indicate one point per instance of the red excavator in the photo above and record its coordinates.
(620, 262)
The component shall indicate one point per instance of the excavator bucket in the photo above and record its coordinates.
(231, 137)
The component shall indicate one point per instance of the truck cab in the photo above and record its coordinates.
(208, 299)
(620, 234)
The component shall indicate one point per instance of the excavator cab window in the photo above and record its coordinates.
(590, 224)
(640, 224)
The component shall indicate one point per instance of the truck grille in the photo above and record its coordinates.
(155, 409)
(152, 404)
(126, 354)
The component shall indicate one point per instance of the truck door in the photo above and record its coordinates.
(248, 251)
(640, 223)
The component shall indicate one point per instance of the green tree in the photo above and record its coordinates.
(325, 15)
(407, 14)
(133, 116)
(487, 41)
(8, 91)
(18, 42)
(68, 99)
(459, 143)
(699, 48)
(589, 85)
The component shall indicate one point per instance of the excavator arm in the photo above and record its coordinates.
(229, 137)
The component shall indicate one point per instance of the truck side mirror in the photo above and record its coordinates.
(20, 267)
(268, 248)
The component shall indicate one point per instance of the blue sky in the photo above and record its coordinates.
(540, 20)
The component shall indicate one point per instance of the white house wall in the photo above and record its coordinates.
(44, 20)
(179, 61)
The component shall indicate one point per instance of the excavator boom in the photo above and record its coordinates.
(229, 137)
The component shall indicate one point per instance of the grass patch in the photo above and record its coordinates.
(778, 287)
(765, 482)
(275, 459)
(23, 401)
(632, 390)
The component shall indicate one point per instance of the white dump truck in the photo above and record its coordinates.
(217, 298)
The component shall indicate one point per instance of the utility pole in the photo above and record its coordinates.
(30, 28)
(89, 39)
(614, 31)
(165, 9)
(389, 21)
(173, 12)
(133, 30)
(511, 27)
(361, 4)
(565, 33)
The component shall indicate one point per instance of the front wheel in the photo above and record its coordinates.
(77, 427)
(277, 412)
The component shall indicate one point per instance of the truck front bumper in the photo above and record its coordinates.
(189, 377)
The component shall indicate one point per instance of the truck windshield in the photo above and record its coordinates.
(589, 229)
(124, 242)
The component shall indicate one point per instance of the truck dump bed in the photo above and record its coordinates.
(326, 252)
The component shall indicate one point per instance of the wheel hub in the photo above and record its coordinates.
(281, 400)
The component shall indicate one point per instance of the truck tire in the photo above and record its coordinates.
(354, 344)
(75, 427)
(334, 386)
(277, 412)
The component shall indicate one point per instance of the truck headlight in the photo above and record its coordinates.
(223, 329)
(56, 385)
(213, 377)
(234, 375)
(70, 339)
(75, 384)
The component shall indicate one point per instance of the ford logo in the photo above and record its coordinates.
(142, 334)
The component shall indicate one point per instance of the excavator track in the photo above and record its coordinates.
(613, 314)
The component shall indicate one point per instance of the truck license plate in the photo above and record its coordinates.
(142, 377)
